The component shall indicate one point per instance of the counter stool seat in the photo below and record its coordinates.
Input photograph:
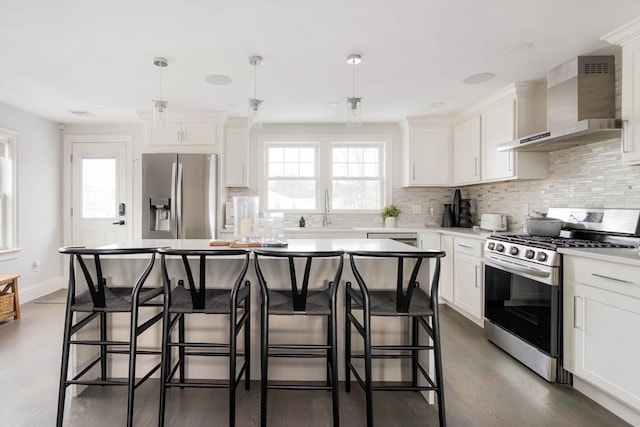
(281, 303)
(383, 303)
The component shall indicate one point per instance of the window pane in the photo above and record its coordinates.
(276, 154)
(291, 194)
(339, 169)
(356, 194)
(307, 155)
(276, 169)
(291, 154)
(291, 169)
(98, 188)
(369, 170)
(370, 155)
(308, 169)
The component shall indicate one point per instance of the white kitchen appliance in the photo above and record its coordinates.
(493, 222)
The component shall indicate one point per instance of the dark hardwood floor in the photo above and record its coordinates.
(483, 387)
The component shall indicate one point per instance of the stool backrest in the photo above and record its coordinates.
(95, 280)
(403, 295)
(299, 292)
(199, 257)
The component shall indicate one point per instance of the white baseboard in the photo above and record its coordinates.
(41, 289)
(625, 412)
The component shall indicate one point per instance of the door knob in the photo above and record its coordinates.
(121, 222)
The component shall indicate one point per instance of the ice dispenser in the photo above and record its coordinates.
(160, 213)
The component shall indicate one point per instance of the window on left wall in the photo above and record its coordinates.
(8, 195)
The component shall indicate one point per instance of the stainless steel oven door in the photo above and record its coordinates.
(523, 305)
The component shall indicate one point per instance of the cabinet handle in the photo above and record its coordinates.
(184, 135)
(612, 278)
(509, 166)
(178, 135)
(575, 312)
(625, 132)
(464, 246)
(414, 172)
(475, 165)
(477, 284)
(244, 179)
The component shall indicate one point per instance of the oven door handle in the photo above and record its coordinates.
(514, 268)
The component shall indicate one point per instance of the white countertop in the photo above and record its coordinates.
(622, 256)
(294, 245)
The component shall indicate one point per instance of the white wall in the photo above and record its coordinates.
(39, 150)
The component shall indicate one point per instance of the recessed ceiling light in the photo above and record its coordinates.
(102, 106)
(479, 78)
(82, 113)
(218, 79)
(437, 104)
(334, 104)
(521, 47)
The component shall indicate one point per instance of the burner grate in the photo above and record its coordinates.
(556, 242)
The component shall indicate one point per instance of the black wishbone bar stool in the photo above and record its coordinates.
(314, 295)
(219, 289)
(410, 301)
(89, 294)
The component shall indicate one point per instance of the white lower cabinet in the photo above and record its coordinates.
(446, 269)
(601, 326)
(462, 276)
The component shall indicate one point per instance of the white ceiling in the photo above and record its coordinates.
(57, 56)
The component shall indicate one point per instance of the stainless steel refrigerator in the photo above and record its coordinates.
(179, 194)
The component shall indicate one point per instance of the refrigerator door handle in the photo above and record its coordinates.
(174, 171)
(179, 231)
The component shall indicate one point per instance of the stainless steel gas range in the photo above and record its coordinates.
(523, 283)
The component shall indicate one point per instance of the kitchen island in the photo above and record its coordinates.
(379, 274)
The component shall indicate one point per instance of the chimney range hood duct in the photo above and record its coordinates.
(580, 106)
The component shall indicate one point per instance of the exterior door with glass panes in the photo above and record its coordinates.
(99, 193)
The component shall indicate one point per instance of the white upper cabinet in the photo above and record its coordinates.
(466, 151)
(426, 154)
(519, 111)
(236, 154)
(628, 36)
(185, 128)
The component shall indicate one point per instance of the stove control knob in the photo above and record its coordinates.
(541, 256)
(491, 245)
(500, 247)
(529, 254)
(513, 250)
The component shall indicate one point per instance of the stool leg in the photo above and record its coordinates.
(247, 341)
(334, 367)
(414, 352)
(438, 367)
(329, 357)
(181, 349)
(264, 356)
(103, 347)
(367, 366)
(133, 346)
(64, 365)
(347, 343)
(164, 365)
(232, 366)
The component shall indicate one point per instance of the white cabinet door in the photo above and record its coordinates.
(628, 36)
(631, 102)
(236, 154)
(467, 278)
(446, 269)
(198, 133)
(164, 135)
(429, 155)
(607, 345)
(466, 151)
(498, 126)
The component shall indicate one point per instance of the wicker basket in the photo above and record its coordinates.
(6, 304)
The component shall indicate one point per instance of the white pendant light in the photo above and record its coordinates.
(160, 107)
(255, 119)
(354, 104)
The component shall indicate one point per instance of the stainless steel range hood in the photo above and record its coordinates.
(580, 106)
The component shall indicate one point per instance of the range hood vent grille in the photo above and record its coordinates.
(596, 68)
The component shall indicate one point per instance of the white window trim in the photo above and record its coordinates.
(324, 143)
(11, 218)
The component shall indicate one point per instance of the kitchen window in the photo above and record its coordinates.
(8, 195)
(297, 173)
